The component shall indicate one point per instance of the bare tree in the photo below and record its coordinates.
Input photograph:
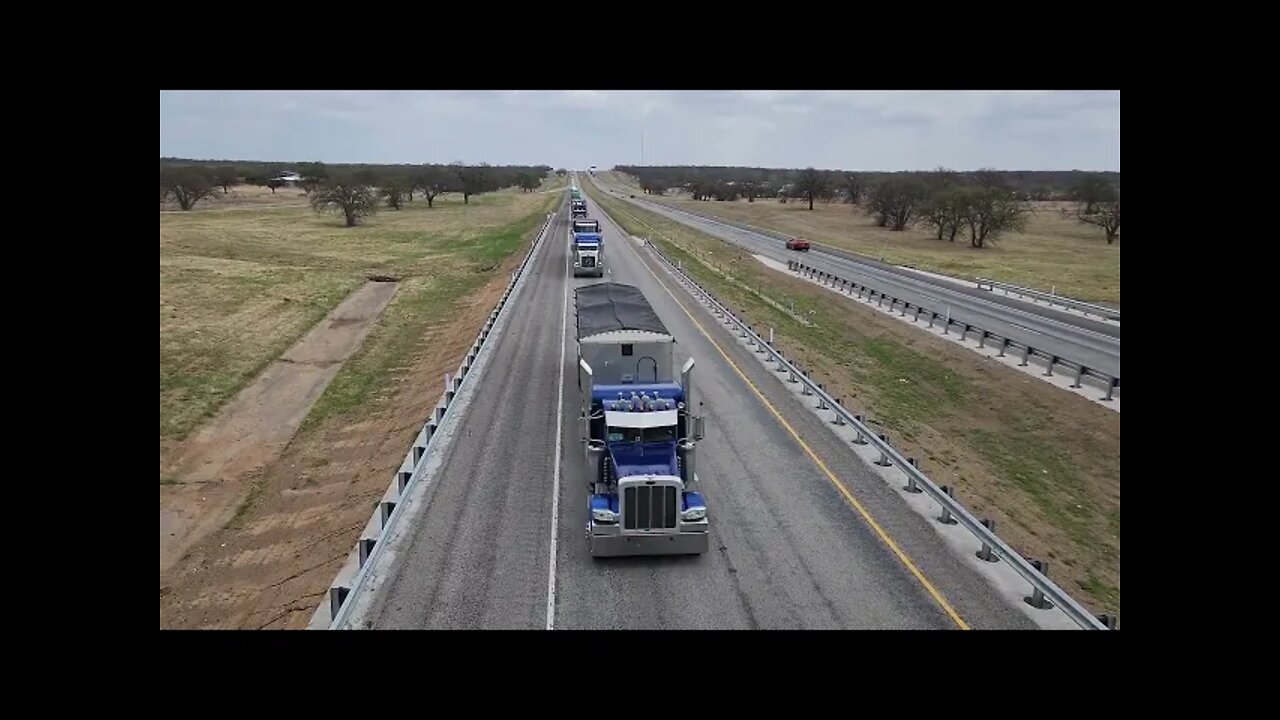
(274, 183)
(226, 177)
(393, 188)
(991, 212)
(472, 179)
(348, 196)
(1093, 189)
(187, 185)
(896, 201)
(812, 184)
(432, 180)
(854, 187)
(1105, 215)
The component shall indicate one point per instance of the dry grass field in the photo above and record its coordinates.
(242, 279)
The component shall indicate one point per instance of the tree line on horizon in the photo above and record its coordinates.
(986, 203)
(356, 191)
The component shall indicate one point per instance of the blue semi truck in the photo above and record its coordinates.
(586, 245)
(638, 428)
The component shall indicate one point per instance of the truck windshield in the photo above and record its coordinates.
(665, 433)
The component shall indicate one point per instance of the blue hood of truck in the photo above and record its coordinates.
(657, 458)
(669, 391)
(587, 238)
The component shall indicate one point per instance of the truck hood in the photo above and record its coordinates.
(644, 458)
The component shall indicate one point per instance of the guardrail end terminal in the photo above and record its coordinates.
(1108, 620)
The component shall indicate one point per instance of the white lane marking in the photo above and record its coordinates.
(555, 484)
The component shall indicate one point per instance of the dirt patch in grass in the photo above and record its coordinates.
(1044, 464)
(1056, 252)
(250, 432)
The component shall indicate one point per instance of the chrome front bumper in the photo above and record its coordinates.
(609, 541)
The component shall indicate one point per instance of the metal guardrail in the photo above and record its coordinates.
(993, 548)
(1101, 311)
(1110, 383)
(335, 609)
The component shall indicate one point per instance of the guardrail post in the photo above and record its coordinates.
(860, 289)
(1111, 388)
(793, 378)
(884, 457)
(859, 440)
(912, 486)
(903, 312)
(982, 339)
(1026, 353)
(1108, 620)
(337, 596)
(822, 401)
(986, 553)
(1048, 371)
(1079, 376)
(933, 315)
(946, 327)
(1037, 598)
(917, 315)
(1004, 344)
(385, 508)
(881, 303)
(365, 549)
(946, 518)
(839, 415)
(402, 481)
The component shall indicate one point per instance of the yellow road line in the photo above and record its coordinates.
(875, 526)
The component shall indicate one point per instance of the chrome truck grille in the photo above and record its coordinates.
(588, 261)
(650, 507)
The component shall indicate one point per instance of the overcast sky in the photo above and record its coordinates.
(848, 130)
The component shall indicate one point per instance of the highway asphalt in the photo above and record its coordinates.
(1067, 335)
(787, 550)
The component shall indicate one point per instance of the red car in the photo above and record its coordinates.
(797, 244)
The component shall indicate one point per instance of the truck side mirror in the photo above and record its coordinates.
(698, 427)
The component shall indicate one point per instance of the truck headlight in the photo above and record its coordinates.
(694, 514)
(604, 515)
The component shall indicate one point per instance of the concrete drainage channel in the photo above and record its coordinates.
(1023, 581)
(334, 609)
